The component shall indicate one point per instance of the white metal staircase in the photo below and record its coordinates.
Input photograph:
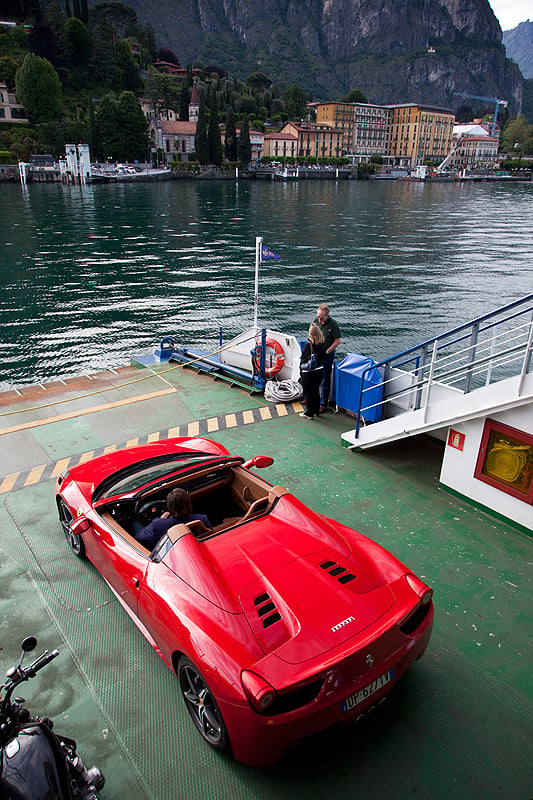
(479, 368)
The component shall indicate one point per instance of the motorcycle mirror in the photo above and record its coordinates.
(259, 462)
(29, 644)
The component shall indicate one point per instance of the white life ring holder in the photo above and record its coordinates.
(277, 364)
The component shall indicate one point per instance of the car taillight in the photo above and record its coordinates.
(258, 691)
(424, 592)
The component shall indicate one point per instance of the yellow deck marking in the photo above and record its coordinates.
(34, 476)
(8, 482)
(84, 411)
(60, 467)
(193, 429)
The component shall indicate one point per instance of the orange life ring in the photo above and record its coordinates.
(273, 363)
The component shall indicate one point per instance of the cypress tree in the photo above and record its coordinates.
(184, 104)
(215, 144)
(230, 140)
(245, 146)
(201, 142)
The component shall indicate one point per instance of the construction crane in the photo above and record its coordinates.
(490, 100)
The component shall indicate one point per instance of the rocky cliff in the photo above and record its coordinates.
(393, 50)
(519, 45)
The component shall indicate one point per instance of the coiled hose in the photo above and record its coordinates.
(283, 391)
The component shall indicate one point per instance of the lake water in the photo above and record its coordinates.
(90, 275)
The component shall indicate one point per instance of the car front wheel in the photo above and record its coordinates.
(202, 706)
(75, 542)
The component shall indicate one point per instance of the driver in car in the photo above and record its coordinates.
(179, 510)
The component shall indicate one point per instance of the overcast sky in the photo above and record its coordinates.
(511, 12)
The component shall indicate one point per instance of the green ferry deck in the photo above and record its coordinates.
(459, 724)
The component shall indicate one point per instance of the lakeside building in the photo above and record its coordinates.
(168, 134)
(281, 145)
(473, 146)
(315, 139)
(10, 110)
(419, 133)
(175, 139)
(404, 134)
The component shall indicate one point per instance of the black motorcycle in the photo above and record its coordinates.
(36, 763)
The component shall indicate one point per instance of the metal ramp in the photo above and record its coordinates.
(479, 368)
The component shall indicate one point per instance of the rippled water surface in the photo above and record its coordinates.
(91, 275)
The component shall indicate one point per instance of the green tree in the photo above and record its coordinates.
(39, 88)
(517, 131)
(77, 42)
(295, 101)
(185, 98)
(8, 71)
(130, 79)
(133, 128)
(230, 139)
(244, 150)
(213, 133)
(108, 125)
(258, 80)
(121, 19)
(355, 96)
(102, 64)
(51, 139)
(162, 91)
(201, 141)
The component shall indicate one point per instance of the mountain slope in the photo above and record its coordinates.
(331, 46)
(519, 45)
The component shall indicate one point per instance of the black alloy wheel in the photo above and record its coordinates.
(202, 706)
(74, 542)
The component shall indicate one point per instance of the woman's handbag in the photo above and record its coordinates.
(310, 363)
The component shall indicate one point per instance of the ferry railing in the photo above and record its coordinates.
(488, 349)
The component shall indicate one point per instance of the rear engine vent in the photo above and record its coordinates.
(266, 610)
(417, 618)
(336, 571)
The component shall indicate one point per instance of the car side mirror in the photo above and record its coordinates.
(259, 462)
(80, 525)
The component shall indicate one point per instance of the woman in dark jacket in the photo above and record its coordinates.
(311, 369)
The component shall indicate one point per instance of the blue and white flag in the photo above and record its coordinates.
(267, 253)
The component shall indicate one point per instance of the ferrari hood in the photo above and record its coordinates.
(312, 605)
(303, 586)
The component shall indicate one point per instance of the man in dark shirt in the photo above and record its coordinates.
(179, 510)
(332, 339)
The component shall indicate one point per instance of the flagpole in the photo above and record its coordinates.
(258, 246)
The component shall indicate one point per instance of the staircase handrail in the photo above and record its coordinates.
(422, 347)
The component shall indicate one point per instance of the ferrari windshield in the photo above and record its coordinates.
(135, 476)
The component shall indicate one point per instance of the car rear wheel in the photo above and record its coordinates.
(202, 706)
(74, 542)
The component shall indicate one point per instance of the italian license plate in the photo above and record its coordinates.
(367, 691)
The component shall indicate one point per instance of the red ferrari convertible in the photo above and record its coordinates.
(277, 620)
